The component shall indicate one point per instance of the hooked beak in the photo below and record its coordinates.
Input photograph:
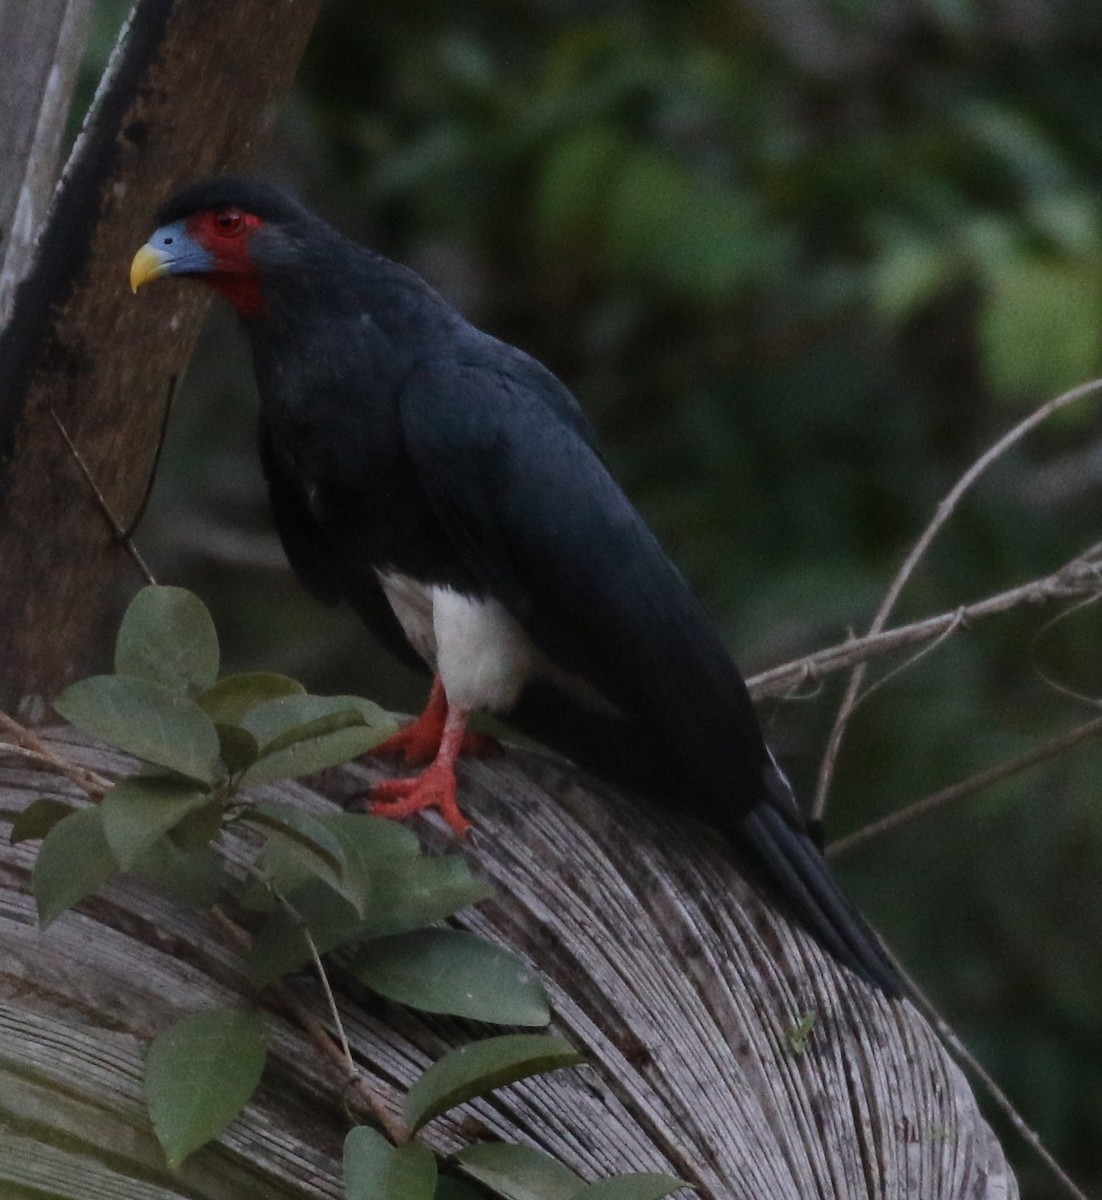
(170, 251)
(148, 264)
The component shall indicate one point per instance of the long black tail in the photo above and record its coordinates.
(800, 873)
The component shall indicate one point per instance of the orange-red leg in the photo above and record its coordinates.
(419, 742)
(435, 786)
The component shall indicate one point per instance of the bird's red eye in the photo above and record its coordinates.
(228, 221)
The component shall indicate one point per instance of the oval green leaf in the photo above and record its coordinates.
(519, 1172)
(38, 818)
(451, 971)
(167, 636)
(450, 1188)
(189, 878)
(300, 735)
(139, 810)
(145, 719)
(319, 850)
(375, 1170)
(199, 1075)
(73, 861)
(421, 891)
(479, 1067)
(228, 701)
(279, 947)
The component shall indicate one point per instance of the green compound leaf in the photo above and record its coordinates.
(375, 1170)
(199, 1075)
(479, 1067)
(73, 861)
(145, 719)
(450, 971)
(167, 636)
(139, 810)
(519, 1172)
(301, 734)
(38, 818)
(227, 701)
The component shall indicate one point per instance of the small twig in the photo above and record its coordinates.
(966, 787)
(96, 786)
(323, 978)
(121, 534)
(1080, 577)
(965, 1056)
(162, 436)
(944, 511)
(340, 1055)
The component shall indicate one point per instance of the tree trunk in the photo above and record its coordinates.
(676, 980)
(43, 44)
(180, 101)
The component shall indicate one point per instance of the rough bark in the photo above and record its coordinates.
(43, 44)
(679, 984)
(181, 100)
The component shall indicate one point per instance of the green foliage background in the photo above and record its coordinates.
(803, 262)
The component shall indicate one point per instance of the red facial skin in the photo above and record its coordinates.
(225, 232)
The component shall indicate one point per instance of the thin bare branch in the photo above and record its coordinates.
(1081, 577)
(96, 786)
(944, 511)
(121, 534)
(967, 787)
(965, 1056)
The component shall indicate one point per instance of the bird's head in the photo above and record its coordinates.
(230, 233)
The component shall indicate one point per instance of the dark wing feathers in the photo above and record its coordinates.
(538, 519)
(322, 571)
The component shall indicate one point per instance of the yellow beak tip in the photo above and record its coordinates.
(147, 264)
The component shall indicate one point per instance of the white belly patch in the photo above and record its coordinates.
(479, 650)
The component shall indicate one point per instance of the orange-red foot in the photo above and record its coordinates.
(433, 788)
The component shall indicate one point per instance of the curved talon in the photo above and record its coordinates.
(435, 787)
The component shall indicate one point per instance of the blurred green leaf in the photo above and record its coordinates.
(167, 636)
(1041, 326)
(139, 810)
(479, 1067)
(227, 701)
(199, 1075)
(699, 239)
(73, 861)
(376, 1170)
(38, 818)
(145, 719)
(451, 971)
(519, 1172)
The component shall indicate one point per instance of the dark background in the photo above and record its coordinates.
(802, 260)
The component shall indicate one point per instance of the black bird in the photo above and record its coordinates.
(449, 487)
